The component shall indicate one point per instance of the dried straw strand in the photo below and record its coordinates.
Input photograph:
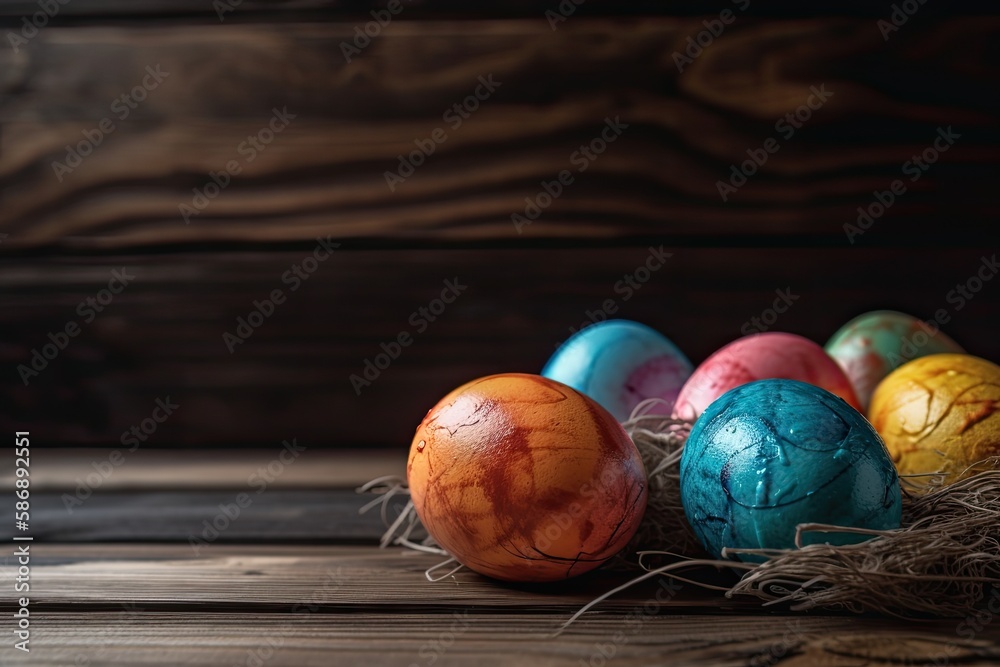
(939, 563)
(660, 441)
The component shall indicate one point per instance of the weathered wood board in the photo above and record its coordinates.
(159, 605)
(690, 125)
(128, 637)
(162, 337)
(311, 127)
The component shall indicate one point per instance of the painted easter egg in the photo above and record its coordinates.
(769, 455)
(872, 345)
(758, 357)
(522, 478)
(619, 364)
(939, 413)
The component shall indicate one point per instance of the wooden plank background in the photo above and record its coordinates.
(104, 10)
(127, 636)
(106, 590)
(162, 336)
(323, 176)
(116, 582)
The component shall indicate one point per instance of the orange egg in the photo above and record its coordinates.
(522, 478)
(939, 413)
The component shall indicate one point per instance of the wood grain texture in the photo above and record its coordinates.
(269, 515)
(277, 10)
(325, 173)
(61, 469)
(296, 579)
(340, 578)
(162, 336)
(131, 637)
(346, 606)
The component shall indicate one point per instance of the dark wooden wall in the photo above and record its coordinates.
(323, 175)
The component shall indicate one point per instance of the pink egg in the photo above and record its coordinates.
(760, 357)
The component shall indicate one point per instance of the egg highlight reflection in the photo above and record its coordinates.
(772, 454)
(872, 345)
(939, 413)
(620, 363)
(759, 357)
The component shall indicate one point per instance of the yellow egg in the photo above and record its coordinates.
(939, 413)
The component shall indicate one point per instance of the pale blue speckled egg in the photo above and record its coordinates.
(772, 454)
(620, 363)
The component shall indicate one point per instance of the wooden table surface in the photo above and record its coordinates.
(298, 579)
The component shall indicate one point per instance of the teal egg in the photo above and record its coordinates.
(769, 455)
(874, 344)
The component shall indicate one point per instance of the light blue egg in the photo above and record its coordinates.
(772, 454)
(620, 363)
